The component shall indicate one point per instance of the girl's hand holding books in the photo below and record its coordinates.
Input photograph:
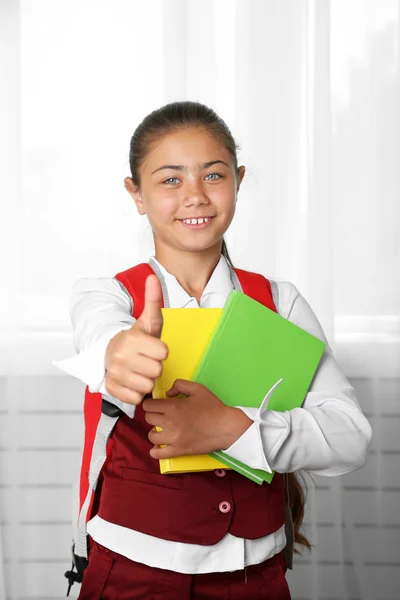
(134, 357)
(197, 424)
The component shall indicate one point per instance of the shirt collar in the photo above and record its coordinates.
(219, 286)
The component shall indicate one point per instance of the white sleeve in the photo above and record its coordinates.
(99, 309)
(328, 435)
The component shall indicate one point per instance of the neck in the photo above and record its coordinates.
(192, 269)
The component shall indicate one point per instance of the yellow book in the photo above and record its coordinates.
(187, 332)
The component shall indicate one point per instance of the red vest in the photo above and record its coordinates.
(197, 508)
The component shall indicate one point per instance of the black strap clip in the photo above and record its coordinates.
(79, 563)
(110, 409)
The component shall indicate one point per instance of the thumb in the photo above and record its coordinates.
(151, 318)
(182, 386)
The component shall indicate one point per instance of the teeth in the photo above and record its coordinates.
(196, 221)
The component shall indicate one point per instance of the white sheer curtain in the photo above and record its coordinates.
(310, 91)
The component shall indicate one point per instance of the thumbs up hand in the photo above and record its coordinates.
(151, 319)
(134, 357)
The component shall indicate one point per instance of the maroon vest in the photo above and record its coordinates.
(196, 508)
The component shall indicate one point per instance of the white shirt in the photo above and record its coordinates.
(328, 436)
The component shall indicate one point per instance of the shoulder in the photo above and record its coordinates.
(295, 308)
(97, 289)
(88, 284)
(286, 292)
(121, 289)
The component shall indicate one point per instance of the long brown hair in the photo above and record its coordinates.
(184, 115)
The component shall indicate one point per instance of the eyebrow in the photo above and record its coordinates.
(183, 168)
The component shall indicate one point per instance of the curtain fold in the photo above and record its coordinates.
(10, 266)
(2, 575)
(282, 115)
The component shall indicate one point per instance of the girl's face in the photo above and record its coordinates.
(188, 174)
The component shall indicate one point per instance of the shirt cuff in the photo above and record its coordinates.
(88, 366)
(250, 448)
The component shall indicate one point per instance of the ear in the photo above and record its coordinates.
(134, 191)
(240, 174)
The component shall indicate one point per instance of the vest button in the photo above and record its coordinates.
(224, 507)
(220, 472)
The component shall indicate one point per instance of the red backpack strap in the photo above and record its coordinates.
(257, 287)
(134, 280)
(91, 415)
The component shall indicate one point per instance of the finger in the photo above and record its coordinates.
(151, 318)
(182, 386)
(123, 393)
(154, 419)
(154, 405)
(158, 437)
(130, 380)
(166, 452)
(147, 367)
(152, 347)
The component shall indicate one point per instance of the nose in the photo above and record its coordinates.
(194, 195)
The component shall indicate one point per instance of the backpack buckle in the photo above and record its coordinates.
(79, 563)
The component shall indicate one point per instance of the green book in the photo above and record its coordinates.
(255, 355)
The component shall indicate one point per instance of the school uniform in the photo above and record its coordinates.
(328, 436)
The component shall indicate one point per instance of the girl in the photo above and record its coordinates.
(158, 536)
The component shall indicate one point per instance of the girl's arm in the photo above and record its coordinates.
(329, 435)
(99, 309)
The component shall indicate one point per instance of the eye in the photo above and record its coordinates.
(218, 176)
(171, 179)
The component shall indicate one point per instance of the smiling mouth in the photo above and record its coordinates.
(196, 223)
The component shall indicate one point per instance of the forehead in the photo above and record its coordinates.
(186, 147)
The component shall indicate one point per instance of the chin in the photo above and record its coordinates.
(199, 247)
